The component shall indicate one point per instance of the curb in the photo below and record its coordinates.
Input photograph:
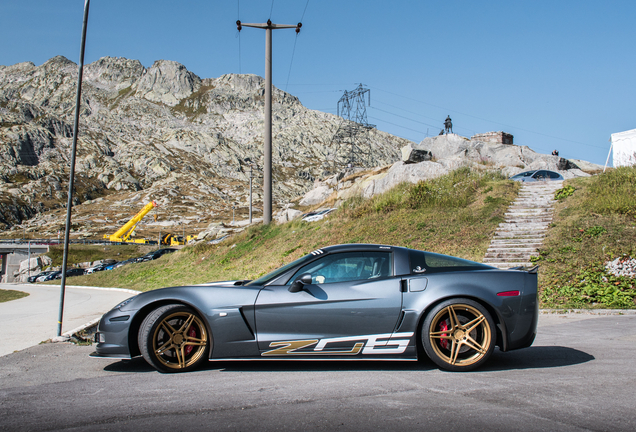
(588, 311)
(66, 336)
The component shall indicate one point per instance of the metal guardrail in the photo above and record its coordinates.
(51, 242)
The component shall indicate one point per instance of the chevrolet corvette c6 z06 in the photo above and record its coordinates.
(353, 302)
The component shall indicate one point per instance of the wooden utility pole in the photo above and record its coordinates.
(267, 145)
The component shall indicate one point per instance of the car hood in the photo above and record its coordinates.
(214, 294)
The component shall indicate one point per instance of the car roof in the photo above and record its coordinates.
(357, 247)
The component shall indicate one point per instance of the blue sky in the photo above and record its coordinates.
(557, 74)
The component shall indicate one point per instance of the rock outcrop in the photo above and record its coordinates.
(436, 156)
(159, 133)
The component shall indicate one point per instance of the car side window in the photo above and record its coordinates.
(553, 175)
(345, 267)
(429, 262)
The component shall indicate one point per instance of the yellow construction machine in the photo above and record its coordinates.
(125, 233)
(173, 240)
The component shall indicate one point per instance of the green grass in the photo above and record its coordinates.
(594, 224)
(8, 295)
(462, 227)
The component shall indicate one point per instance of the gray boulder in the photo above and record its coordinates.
(415, 155)
(287, 215)
(316, 195)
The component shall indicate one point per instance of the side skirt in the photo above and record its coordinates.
(304, 358)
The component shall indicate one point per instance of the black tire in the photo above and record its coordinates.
(173, 338)
(459, 335)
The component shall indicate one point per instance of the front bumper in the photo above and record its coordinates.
(112, 335)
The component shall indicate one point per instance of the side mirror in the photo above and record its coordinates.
(299, 283)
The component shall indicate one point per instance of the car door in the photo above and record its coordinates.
(352, 301)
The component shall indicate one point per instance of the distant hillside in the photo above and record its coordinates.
(159, 133)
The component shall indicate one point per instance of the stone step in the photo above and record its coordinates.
(506, 265)
(533, 202)
(510, 262)
(529, 211)
(499, 249)
(524, 220)
(536, 235)
(515, 244)
(524, 205)
(502, 256)
(523, 226)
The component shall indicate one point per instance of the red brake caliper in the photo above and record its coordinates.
(443, 326)
(192, 333)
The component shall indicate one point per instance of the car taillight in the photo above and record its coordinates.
(509, 293)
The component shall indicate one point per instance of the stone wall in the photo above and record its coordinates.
(494, 137)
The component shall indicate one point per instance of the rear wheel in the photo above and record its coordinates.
(459, 335)
(173, 338)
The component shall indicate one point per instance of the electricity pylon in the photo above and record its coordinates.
(351, 143)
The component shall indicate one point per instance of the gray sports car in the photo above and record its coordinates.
(353, 302)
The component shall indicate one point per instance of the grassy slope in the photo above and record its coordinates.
(594, 225)
(456, 214)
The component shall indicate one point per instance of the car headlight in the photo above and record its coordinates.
(124, 303)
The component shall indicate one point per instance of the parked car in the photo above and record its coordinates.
(50, 276)
(40, 275)
(123, 263)
(111, 266)
(97, 268)
(70, 272)
(353, 301)
(317, 215)
(157, 253)
(537, 175)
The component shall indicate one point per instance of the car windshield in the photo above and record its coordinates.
(523, 174)
(264, 280)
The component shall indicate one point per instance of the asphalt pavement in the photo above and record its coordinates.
(30, 320)
(579, 375)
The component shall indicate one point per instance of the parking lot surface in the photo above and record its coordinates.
(580, 375)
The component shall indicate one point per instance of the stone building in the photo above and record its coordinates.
(493, 137)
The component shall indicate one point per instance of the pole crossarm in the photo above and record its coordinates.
(271, 25)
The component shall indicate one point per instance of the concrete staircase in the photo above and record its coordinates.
(527, 220)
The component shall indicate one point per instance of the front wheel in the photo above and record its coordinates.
(173, 338)
(458, 335)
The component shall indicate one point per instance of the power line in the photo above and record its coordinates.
(395, 124)
(404, 117)
(491, 121)
(417, 121)
(291, 62)
(306, 4)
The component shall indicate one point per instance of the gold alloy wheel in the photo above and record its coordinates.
(460, 335)
(180, 340)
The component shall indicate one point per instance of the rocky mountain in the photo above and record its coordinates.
(159, 133)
